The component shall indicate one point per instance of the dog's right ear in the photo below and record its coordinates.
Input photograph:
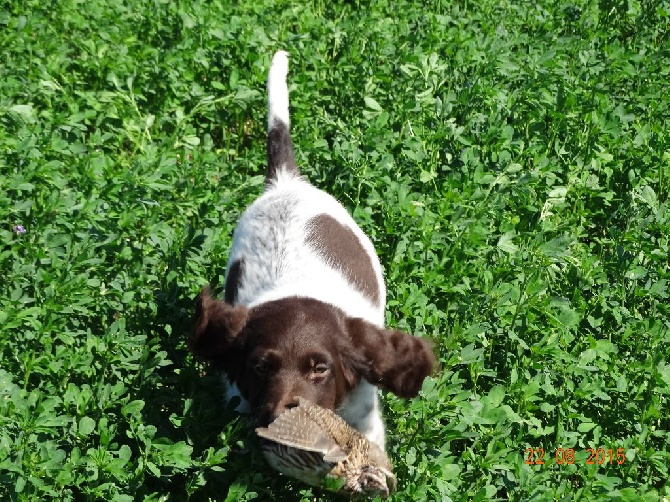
(216, 328)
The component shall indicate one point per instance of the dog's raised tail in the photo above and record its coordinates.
(281, 158)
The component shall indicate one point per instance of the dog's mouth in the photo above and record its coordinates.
(265, 416)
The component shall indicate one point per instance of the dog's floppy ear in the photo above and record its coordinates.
(216, 327)
(394, 360)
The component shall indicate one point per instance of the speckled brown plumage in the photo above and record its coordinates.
(315, 445)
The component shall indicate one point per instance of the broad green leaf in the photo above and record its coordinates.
(86, 426)
(372, 104)
(506, 243)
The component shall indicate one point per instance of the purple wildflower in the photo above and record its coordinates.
(19, 229)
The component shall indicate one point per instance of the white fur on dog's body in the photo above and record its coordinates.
(286, 265)
(290, 267)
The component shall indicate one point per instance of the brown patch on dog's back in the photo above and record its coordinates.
(341, 249)
(233, 281)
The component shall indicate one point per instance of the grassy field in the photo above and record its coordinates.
(510, 161)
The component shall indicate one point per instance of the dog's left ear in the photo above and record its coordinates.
(216, 328)
(394, 360)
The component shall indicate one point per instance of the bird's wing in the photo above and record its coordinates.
(295, 428)
(335, 454)
(335, 426)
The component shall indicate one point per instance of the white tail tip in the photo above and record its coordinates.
(278, 90)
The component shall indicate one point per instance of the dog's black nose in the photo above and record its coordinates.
(287, 406)
(284, 406)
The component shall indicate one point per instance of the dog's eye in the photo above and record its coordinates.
(320, 369)
(262, 368)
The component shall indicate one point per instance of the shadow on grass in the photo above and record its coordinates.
(183, 399)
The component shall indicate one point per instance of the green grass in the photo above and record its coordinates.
(510, 160)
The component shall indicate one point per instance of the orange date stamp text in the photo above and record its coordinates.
(566, 456)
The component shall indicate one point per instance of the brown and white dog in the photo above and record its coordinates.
(303, 313)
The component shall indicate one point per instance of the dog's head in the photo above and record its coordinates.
(300, 347)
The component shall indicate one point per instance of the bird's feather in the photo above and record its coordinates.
(296, 428)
